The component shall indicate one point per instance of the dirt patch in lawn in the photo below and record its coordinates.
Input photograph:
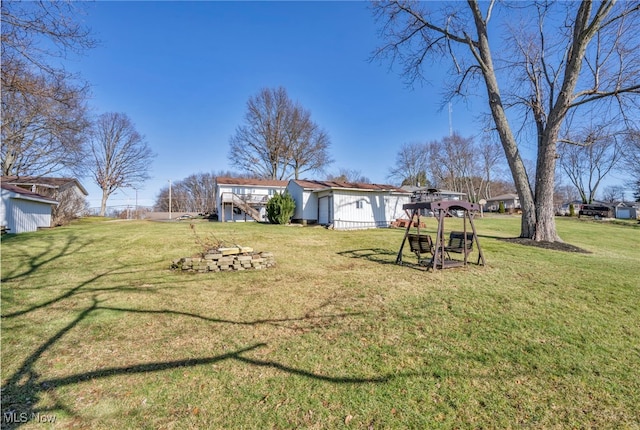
(556, 246)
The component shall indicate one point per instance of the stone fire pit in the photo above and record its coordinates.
(225, 260)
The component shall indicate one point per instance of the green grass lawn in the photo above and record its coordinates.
(97, 332)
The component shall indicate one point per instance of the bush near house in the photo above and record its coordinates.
(280, 208)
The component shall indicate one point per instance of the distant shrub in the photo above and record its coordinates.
(501, 208)
(280, 208)
(572, 210)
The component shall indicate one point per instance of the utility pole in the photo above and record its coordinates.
(169, 198)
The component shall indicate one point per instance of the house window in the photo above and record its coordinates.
(359, 204)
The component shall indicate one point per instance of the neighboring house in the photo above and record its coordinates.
(627, 210)
(565, 209)
(511, 203)
(47, 186)
(23, 210)
(68, 192)
(240, 199)
(345, 205)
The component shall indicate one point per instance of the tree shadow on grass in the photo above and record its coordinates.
(24, 389)
(376, 255)
(78, 289)
(33, 262)
(380, 256)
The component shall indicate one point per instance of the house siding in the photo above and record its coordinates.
(510, 202)
(360, 210)
(22, 216)
(393, 206)
(306, 205)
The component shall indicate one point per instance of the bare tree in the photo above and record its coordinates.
(567, 58)
(308, 143)
(460, 164)
(278, 140)
(631, 154)
(349, 175)
(195, 193)
(120, 157)
(613, 193)
(411, 165)
(491, 161)
(587, 164)
(36, 32)
(43, 106)
(44, 125)
(70, 206)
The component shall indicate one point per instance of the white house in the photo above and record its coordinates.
(239, 199)
(23, 210)
(346, 205)
(511, 203)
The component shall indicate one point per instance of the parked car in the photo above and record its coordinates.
(596, 211)
(185, 216)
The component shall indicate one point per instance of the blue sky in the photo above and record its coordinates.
(183, 72)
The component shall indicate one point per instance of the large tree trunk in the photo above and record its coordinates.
(103, 204)
(545, 229)
(520, 177)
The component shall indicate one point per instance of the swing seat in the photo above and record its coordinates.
(420, 244)
(458, 244)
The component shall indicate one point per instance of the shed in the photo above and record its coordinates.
(347, 205)
(22, 210)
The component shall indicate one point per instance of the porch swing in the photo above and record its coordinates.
(459, 242)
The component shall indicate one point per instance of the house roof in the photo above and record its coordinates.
(359, 186)
(26, 194)
(256, 182)
(509, 196)
(48, 182)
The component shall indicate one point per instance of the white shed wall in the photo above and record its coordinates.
(359, 210)
(393, 206)
(22, 216)
(306, 203)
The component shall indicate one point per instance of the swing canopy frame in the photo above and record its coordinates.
(460, 242)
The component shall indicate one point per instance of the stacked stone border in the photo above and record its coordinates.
(226, 260)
